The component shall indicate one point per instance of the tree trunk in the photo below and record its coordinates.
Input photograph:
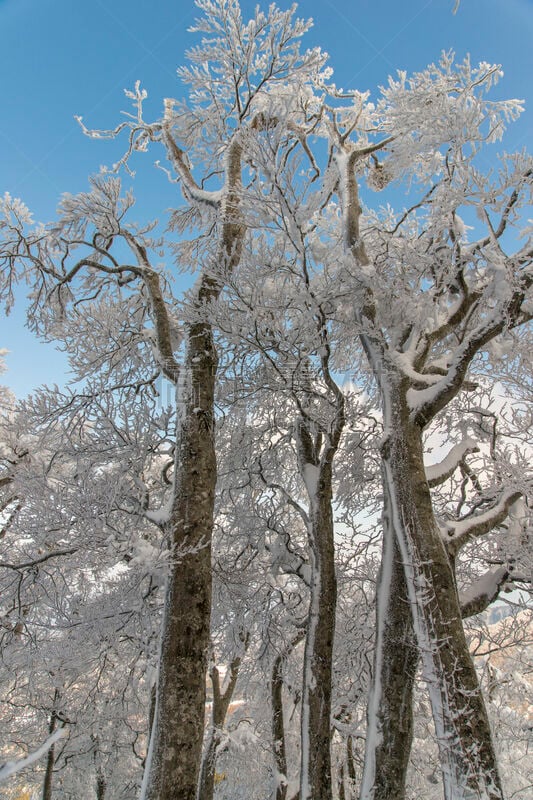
(347, 773)
(176, 742)
(463, 732)
(208, 770)
(390, 707)
(50, 759)
(175, 752)
(101, 786)
(278, 727)
(221, 703)
(278, 717)
(315, 777)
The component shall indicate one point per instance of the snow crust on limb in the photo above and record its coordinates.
(12, 767)
(438, 473)
(483, 591)
(160, 516)
(457, 534)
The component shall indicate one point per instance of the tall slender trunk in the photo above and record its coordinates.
(175, 751)
(278, 727)
(278, 717)
(317, 446)
(347, 773)
(101, 786)
(50, 759)
(315, 773)
(390, 707)
(463, 731)
(177, 731)
(315, 781)
(101, 781)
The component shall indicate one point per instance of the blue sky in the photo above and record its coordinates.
(59, 58)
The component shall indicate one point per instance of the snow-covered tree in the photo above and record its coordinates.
(299, 278)
(426, 303)
(234, 76)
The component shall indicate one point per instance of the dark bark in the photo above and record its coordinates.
(50, 759)
(317, 446)
(49, 772)
(318, 656)
(347, 772)
(175, 754)
(179, 720)
(101, 786)
(463, 731)
(101, 781)
(278, 727)
(315, 773)
(350, 761)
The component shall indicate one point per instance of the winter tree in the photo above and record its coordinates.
(72, 264)
(426, 303)
(300, 277)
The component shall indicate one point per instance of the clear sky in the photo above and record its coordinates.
(59, 58)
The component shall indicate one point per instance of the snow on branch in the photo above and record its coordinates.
(178, 159)
(426, 403)
(459, 533)
(36, 561)
(483, 592)
(436, 474)
(12, 767)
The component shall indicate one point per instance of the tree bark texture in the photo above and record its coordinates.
(101, 787)
(390, 708)
(347, 773)
(315, 780)
(463, 731)
(50, 759)
(278, 717)
(278, 727)
(177, 732)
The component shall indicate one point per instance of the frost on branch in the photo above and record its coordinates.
(11, 768)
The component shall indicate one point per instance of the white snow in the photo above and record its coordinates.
(12, 767)
(437, 473)
(486, 586)
(310, 475)
(373, 733)
(160, 516)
